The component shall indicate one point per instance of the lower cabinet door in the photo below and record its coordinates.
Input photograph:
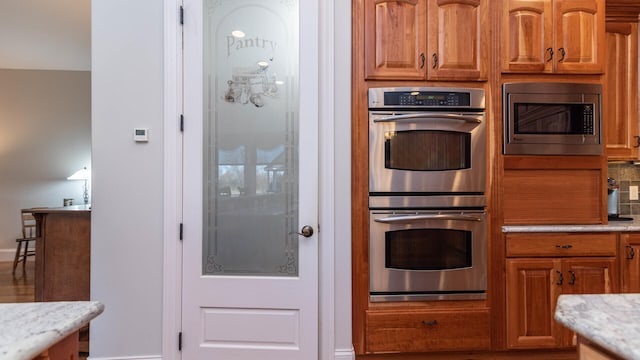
(533, 286)
(419, 330)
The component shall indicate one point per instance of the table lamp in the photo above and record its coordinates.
(82, 174)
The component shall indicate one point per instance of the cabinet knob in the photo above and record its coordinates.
(631, 252)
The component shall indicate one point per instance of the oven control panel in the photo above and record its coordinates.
(426, 98)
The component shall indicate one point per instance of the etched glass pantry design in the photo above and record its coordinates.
(250, 165)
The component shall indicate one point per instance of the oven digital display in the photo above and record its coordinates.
(427, 99)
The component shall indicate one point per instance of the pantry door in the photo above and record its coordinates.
(250, 243)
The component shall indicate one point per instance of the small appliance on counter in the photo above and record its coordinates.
(613, 203)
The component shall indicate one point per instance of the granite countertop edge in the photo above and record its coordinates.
(28, 329)
(620, 226)
(607, 320)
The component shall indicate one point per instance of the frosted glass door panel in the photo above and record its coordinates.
(250, 138)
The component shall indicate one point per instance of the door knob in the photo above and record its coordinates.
(306, 231)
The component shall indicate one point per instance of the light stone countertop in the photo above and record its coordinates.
(28, 329)
(621, 226)
(610, 320)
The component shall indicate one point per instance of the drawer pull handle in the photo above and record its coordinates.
(430, 323)
(573, 278)
(564, 246)
(631, 253)
(560, 278)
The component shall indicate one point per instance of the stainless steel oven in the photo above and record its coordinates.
(427, 255)
(427, 170)
(427, 140)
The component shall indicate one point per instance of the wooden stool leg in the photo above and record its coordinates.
(24, 258)
(15, 260)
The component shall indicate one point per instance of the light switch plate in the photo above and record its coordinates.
(633, 192)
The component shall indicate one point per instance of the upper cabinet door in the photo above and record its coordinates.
(527, 36)
(395, 39)
(579, 36)
(553, 36)
(620, 116)
(458, 34)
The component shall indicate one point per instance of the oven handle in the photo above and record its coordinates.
(426, 116)
(410, 218)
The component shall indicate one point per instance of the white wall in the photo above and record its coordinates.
(45, 136)
(127, 215)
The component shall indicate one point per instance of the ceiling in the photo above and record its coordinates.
(45, 34)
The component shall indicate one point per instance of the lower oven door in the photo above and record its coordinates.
(428, 255)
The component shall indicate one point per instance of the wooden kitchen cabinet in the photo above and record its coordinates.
(554, 264)
(620, 91)
(395, 39)
(420, 330)
(396, 34)
(553, 36)
(630, 262)
(457, 39)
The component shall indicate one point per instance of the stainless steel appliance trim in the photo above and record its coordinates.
(384, 180)
(428, 201)
(387, 281)
(429, 117)
(427, 297)
(552, 144)
(376, 96)
(400, 218)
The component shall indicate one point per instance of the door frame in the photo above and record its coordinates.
(334, 181)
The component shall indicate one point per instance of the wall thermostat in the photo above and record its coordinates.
(141, 134)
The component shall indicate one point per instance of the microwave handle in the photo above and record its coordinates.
(410, 218)
(404, 117)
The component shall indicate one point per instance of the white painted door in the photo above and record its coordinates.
(250, 281)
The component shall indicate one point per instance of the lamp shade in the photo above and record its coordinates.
(82, 174)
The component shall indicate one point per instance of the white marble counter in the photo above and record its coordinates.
(621, 226)
(610, 321)
(27, 329)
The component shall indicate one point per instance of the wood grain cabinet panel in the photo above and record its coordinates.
(553, 36)
(534, 284)
(458, 48)
(549, 196)
(396, 34)
(620, 114)
(630, 262)
(395, 39)
(419, 331)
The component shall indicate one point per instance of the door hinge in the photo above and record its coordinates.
(181, 15)
(180, 341)
(181, 227)
(181, 123)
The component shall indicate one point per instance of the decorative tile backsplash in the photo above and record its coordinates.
(626, 174)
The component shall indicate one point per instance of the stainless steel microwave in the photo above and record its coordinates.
(552, 119)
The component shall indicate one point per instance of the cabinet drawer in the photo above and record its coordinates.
(561, 244)
(415, 331)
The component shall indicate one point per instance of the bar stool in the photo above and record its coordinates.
(28, 235)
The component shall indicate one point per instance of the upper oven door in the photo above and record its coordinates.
(426, 152)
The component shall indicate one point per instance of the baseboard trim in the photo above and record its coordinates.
(149, 357)
(7, 254)
(344, 354)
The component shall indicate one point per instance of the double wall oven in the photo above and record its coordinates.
(427, 207)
